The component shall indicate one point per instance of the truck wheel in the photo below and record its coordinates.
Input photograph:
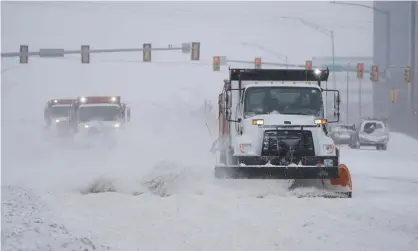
(353, 144)
(220, 173)
(384, 147)
(378, 147)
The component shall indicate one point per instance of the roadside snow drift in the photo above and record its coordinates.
(26, 224)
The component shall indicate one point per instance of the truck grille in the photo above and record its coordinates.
(280, 142)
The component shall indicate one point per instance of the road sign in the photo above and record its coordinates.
(48, 53)
(186, 48)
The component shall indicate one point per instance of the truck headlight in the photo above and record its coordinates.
(329, 148)
(86, 126)
(258, 122)
(116, 125)
(57, 121)
(244, 148)
(321, 121)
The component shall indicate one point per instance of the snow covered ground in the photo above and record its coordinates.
(173, 202)
(161, 191)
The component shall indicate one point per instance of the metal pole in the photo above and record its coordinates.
(388, 37)
(359, 97)
(414, 104)
(333, 58)
(347, 95)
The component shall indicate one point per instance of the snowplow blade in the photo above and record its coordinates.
(276, 172)
(343, 179)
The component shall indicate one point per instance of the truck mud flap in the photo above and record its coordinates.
(276, 172)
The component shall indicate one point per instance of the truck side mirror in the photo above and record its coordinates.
(128, 114)
(337, 102)
(46, 116)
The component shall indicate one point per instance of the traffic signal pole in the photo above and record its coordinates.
(85, 51)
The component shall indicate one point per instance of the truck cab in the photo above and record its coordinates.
(98, 113)
(56, 111)
(276, 118)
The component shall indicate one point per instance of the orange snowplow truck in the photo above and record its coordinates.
(272, 125)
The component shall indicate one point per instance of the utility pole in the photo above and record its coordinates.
(333, 59)
(327, 32)
(414, 54)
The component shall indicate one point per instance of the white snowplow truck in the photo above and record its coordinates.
(98, 114)
(272, 125)
(56, 114)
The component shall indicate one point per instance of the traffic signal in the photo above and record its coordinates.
(374, 73)
(216, 63)
(308, 65)
(393, 95)
(195, 51)
(23, 59)
(146, 52)
(408, 77)
(85, 54)
(257, 63)
(360, 70)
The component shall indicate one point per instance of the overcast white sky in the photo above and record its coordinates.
(219, 26)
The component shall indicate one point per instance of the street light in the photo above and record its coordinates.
(323, 31)
(328, 33)
(387, 14)
(276, 54)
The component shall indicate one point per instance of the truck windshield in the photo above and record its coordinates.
(103, 113)
(59, 111)
(283, 100)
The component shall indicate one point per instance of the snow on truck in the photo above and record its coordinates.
(272, 126)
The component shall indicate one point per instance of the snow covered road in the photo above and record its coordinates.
(187, 209)
(169, 155)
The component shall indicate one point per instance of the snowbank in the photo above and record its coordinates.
(26, 225)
